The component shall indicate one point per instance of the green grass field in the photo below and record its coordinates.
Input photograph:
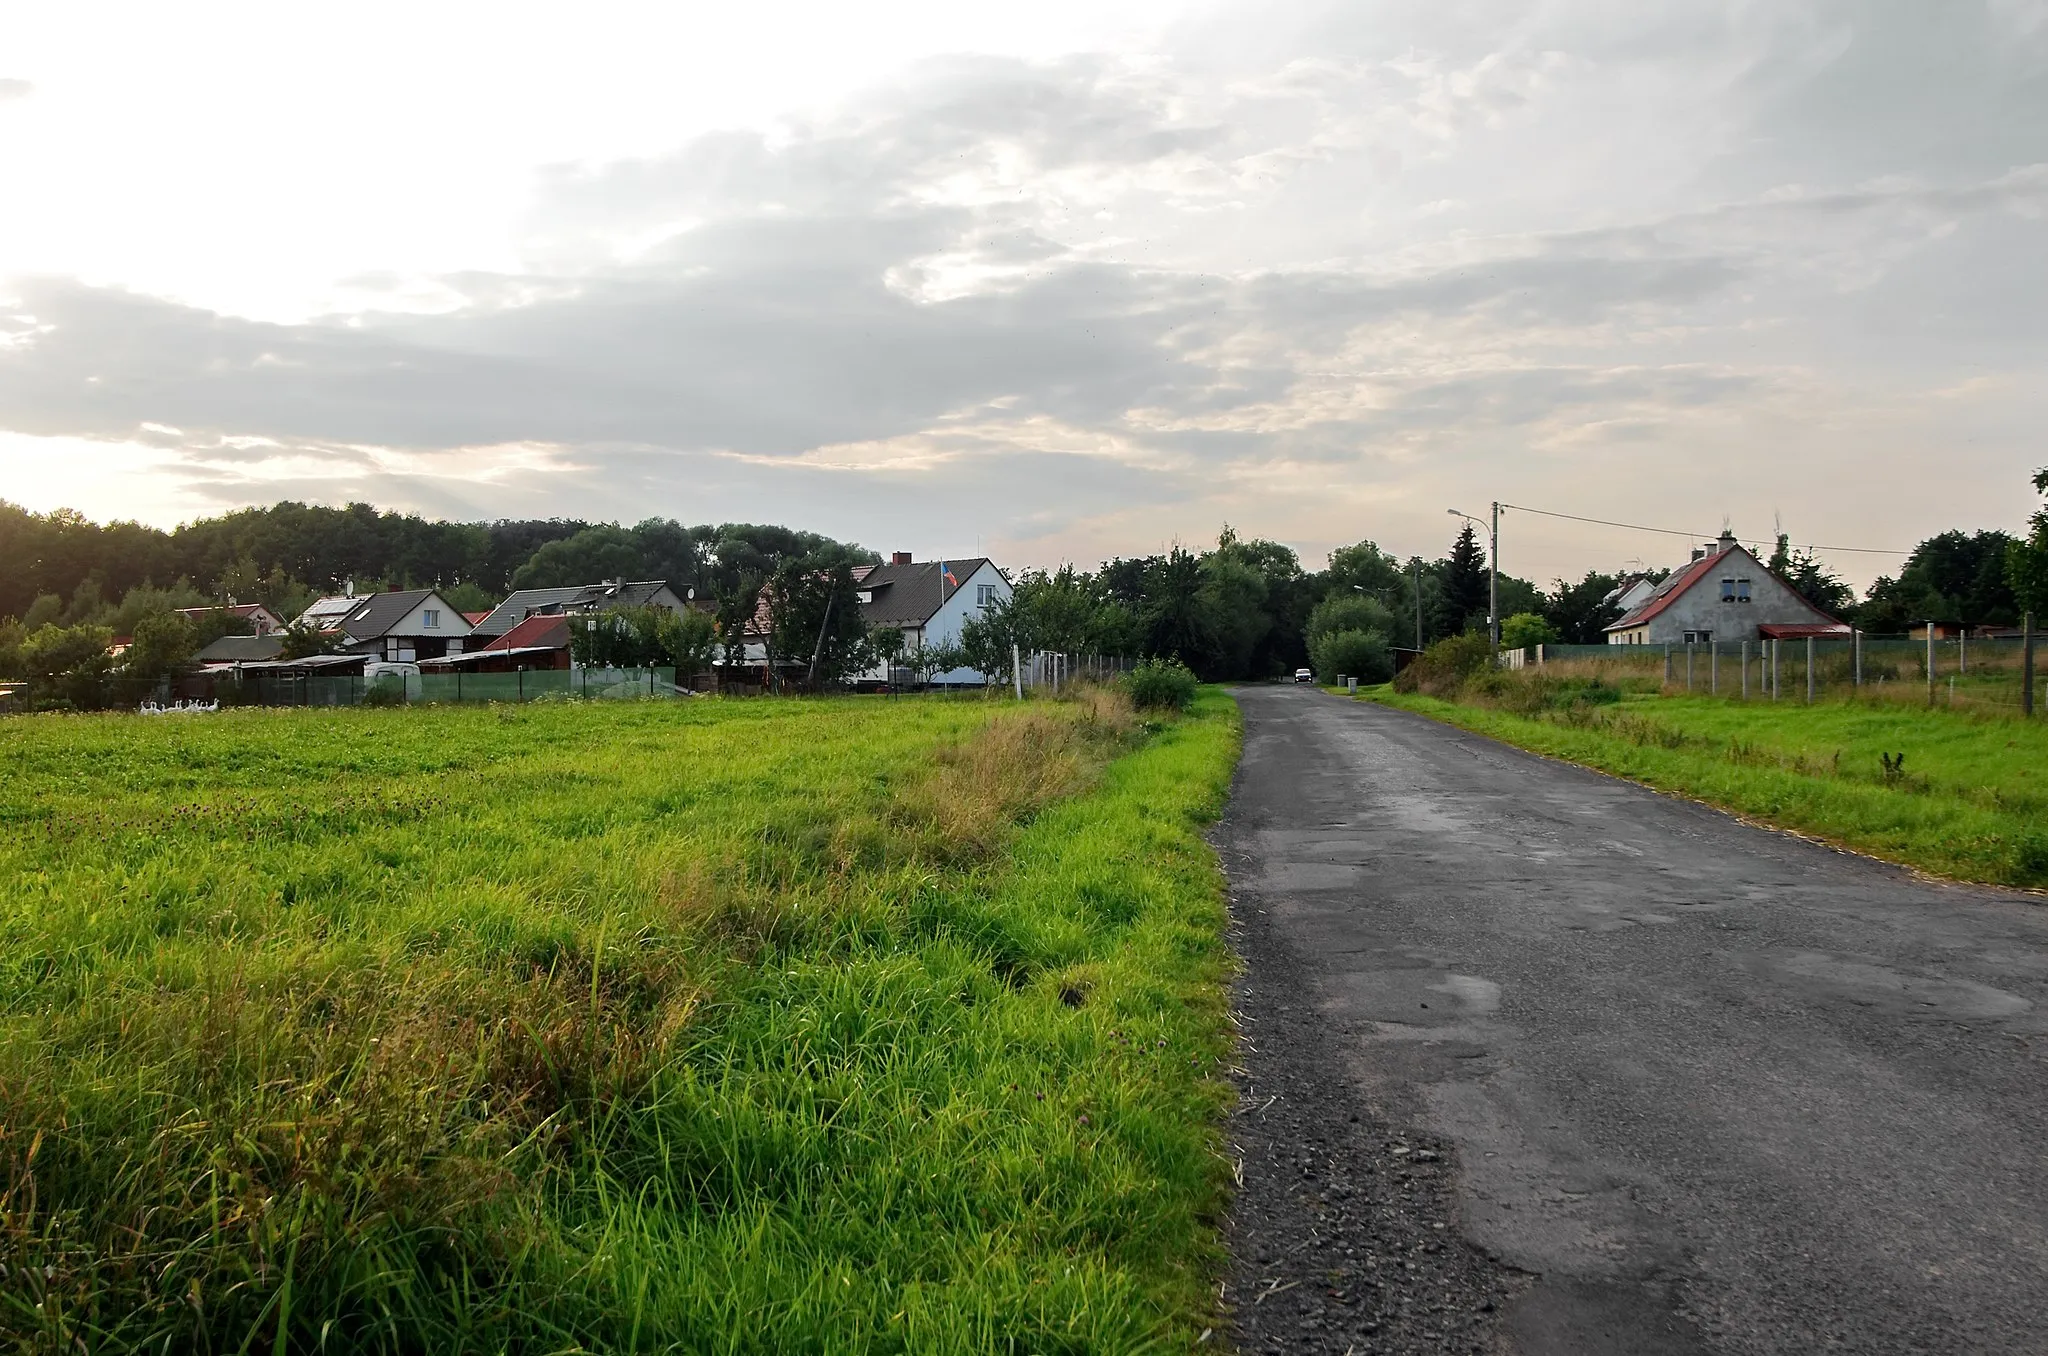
(806, 1026)
(1972, 803)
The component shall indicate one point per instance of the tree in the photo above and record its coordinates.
(161, 647)
(1462, 605)
(68, 665)
(1175, 618)
(2026, 561)
(991, 640)
(1524, 629)
(1347, 611)
(1580, 613)
(928, 661)
(300, 640)
(1364, 655)
(814, 622)
(594, 554)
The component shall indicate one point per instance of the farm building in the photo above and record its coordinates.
(1724, 594)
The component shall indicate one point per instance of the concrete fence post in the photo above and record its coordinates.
(1667, 666)
(1714, 667)
(2027, 665)
(1745, 670)
(1856, 642)
(1809, 670)
(1688, 665)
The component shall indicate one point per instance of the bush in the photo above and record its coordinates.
(1160, 685)
(1441, 669)
(1524, 629)
(1364, 655)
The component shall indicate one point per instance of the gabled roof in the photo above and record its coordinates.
(544, 631)
(325, 611)
(1682, 580)
(236, 610)
(377, 613)
(596, 597)
(908, 595)
(240, 649)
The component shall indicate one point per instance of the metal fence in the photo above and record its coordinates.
(1053, 670)
(1960, 672)
(596, 684)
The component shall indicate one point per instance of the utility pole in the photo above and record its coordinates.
(1493, 582)
(1492, 574)
(1415, 566)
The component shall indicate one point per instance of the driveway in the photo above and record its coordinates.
(1668, 1081)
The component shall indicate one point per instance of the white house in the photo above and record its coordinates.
(1723, 594)
(404, 625)
(929, 601)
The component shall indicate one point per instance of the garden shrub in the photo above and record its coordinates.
(1442, 669)
(1160, 685)
(1364, 655)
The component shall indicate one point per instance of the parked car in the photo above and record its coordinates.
(1304, 675)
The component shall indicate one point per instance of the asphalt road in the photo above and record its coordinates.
(1699, 1086)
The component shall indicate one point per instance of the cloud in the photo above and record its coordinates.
(15, 89)
(1331, 264)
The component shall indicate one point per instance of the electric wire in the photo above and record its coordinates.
(1698, 536)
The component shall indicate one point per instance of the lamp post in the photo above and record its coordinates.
(1492, 573)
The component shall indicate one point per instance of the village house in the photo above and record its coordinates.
(1725, 594)
(928, 601)
(402, 626)
(577, 600)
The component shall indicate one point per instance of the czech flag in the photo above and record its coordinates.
(946, 573)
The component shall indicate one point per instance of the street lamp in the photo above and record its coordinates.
(1492, 573)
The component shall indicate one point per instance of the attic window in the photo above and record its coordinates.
(1742, 590)
(1727, 590)
(985, 595)
(430, 617)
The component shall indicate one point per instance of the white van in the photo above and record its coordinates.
(393, 671)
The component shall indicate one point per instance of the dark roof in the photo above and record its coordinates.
(549, 631)
(377, 613)
(908, 595)
(574, 598)
(240, 649)
(236, 610)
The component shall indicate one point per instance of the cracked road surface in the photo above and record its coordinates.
(1697, 1086)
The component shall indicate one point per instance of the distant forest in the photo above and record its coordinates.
(1243, 608)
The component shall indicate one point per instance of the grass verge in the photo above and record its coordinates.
(723, 1027)
(1971, 803)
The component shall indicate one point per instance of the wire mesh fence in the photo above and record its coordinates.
(1990, 674)
(286, 688)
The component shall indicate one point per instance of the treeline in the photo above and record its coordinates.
(289, 553)
(1244, 608)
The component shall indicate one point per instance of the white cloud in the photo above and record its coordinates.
(1309, 275)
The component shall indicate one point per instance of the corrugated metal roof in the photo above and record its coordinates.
(549, 631)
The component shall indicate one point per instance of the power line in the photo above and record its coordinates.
(1696, 536)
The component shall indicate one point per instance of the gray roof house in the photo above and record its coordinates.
(575, 599)
(928, 600)
(404, 625)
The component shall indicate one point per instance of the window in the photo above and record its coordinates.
(1742, 590)
(1727, 590)
(431, 617)
(985, 596)
(1699, 637)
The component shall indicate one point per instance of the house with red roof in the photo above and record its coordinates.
(1724, 594)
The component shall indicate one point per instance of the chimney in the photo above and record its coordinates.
(899, 558)
(1726, 541)
(1699, 553)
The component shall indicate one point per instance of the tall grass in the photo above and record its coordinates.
(1970, 803)
(814, 1026)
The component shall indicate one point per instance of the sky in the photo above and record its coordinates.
(1052, 282)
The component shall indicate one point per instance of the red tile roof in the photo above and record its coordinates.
(474, 617)
(1671, 589)
(549, 631)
